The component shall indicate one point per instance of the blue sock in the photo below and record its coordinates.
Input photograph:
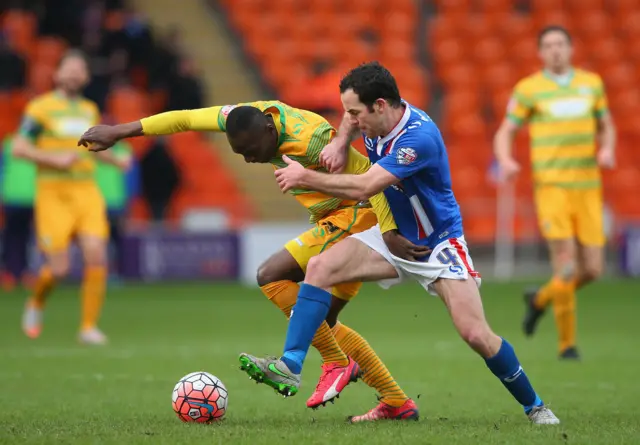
(506, 367)
(307, 315)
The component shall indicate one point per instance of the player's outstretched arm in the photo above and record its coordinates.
(102, 137)
(356, 187)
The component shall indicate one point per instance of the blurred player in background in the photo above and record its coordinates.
(262, 132)
(68, 203)
(566, 110)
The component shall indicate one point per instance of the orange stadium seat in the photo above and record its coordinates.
(397, 51)
(452, 7)
(517, 26)
(496, 77)
(545, 5)
(623, 8)
(582, 5)
(629, 23)
(449, 53)
(442, 27)
(461, 77)
(477, 27)
(592, 25)
(20, 28)
(48, 50)
(495, 6)
(489, 50)
(549, 17)
(607, 51)
(40, 77)
(620, 76)
(399, 25)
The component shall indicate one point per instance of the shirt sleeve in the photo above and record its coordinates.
(411, 153)
(520, 105)
(601, 106)
(201, 119)
(32, 124)
(319, 139)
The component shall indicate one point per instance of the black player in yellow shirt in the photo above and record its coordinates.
(263, 132)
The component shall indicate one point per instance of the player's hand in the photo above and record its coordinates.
(291, 176)
(99, 138)
(606, 157)
(509, 168)
(403, 248)
(333, 156)
(64, 161)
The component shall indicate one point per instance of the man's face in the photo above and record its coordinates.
(72, 75)
(555, 50)
(370, 122)
(259, 145)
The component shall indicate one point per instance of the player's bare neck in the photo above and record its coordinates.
(559, 70)
(67, 94)
(393, 119)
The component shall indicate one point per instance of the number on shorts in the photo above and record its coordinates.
(448, 257)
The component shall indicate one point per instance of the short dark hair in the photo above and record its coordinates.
(372, 81)
(73, 53)
(553, 28)
(242, 119)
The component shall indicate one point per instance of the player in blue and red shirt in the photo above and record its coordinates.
(411, 166)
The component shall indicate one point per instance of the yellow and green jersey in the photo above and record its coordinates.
(563, 125)
(54, 123)
(302, 136)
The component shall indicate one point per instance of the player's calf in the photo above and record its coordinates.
(465, 306)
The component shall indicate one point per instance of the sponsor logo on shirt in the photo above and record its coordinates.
(406, 156)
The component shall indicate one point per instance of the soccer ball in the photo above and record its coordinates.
(199, 397)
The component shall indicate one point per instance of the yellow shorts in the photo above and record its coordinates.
(62, 211)
(565, 213)
(327, 232)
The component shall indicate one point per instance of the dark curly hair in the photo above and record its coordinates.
(372, 81)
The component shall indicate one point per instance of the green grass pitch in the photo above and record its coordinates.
(53, 390)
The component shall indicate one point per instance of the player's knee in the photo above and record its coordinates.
(319, 271)
(479, 337)
(96, 256)
(266, 274)
(59, 268)
(567, 268)
(591, 272)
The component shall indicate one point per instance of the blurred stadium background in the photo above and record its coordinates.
(458, 59)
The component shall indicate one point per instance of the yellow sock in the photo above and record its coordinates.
(284, 295)
(94, 286)
(376, 374)
(42, 289)
(546, 294)
(564, 309)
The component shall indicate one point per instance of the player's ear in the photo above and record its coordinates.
(379, 105)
